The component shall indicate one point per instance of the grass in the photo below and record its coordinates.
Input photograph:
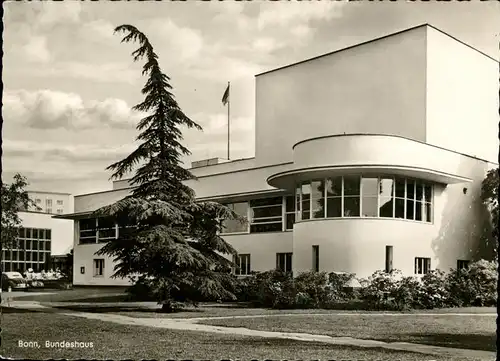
(113, 341)
(78, 294)
(468, 332)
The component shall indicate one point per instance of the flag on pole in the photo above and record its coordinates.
(225, 97)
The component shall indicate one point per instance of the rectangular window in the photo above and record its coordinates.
(22, 233)
(14, 255)
(49, 210)
(48, 234)
(266, 215)
(305, 205)
(28, 255)
(21, 255)
(315, 258)
(29, 233)
(298, 203)
(242, 262)
(289, 212)
(106, 229)
(34, 256)
(284, 262)
(369, 200)
(47, 245)
(410, 199)
(333, 197)
(352, 191)
(98, 267)
(59, 211)
(422, 265)
(82, 270)
(88, 230)
(234, 225)
(462, 264)
(35, 234)
(41, 234)
(59, 202)
(318, 199)
(48, 202)
(34, 245)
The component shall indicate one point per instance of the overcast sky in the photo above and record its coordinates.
(69, 83)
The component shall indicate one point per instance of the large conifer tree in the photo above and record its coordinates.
(166, 237)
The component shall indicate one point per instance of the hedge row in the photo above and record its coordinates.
(474, 286)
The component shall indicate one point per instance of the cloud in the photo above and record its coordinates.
(182, 43)
(48, 109)
(290, 13)
(66, 152)
(36, 49)
(266, 44)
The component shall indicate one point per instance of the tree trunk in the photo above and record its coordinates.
(167, 308)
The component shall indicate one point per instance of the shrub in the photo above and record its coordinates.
(314, 284)
(434, 292)
(339, 289)
(475, 285)
(406, 293)
(379, 290)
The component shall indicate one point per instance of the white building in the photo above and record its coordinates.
(365, 158)
(41, 235)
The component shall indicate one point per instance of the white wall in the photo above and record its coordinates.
(84, 257)
(377, 87)
(262, 247)
(462, 98)
(93, 201)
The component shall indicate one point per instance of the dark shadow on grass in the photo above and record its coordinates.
(103, 299)
(114, 309)
(16, 310)
(464, 341)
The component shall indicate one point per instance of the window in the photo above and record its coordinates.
(352, 187)
(369, 197)
(318, 199)
(234, 225)
(59, 202)
(355, 196)
(284, 262)
(266, 215)
(106, 229)
(315, 258)
(82, 270)
(48, 202)
(289, 212)
(49, 210)
(242, 262)
(334, 197)
(59, 211)
(47, 245)
(422, 265)
(98, 267)
(88, 229)
(48, 234)
(462, 264)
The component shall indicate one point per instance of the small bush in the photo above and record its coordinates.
(434, 292)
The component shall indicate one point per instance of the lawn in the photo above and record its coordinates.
(468, 331)
(81, 294)
(113, 341)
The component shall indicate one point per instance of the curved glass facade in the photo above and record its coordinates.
(359, 196)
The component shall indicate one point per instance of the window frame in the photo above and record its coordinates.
(98, 269)
(237, 260)
(286, 261)
(423, 263)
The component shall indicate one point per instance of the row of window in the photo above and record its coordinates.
(48, 202)
(10, 266)
(337, 197)
(357, 196)
(31, 244)
(95, 230)
(35, 233)
(29, 256)
(284, 263)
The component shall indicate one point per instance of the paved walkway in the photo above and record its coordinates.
(190, 324)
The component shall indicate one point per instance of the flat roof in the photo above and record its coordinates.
(59, 193)
(376, 39)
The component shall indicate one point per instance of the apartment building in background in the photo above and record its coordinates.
(41, 237)
(366, 158)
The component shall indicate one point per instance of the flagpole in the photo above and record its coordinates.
(228, 118)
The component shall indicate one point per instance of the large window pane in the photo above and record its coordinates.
(290, 221)
(22, 233)
(410, 189)
(236, 226)
(266, 227)
(48, 234)
(370, 206)
(419, 192)
(418, 211)
(265, 212)
(410, 211)
(386, 188)
(351, 206)
(352, 186)
(400, 188)
(428, 193)
(289, 204)
(306, 201)
(21, 255)
(400, 208)
(318, 199)
(386, 207)
(334, 186)
(334, 207)
(369, 186)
